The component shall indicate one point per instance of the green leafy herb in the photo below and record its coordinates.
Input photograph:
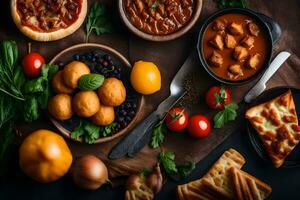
(231, 3)
(31, 109)
(167, 159)
(90, 132)
(107, 130)
(90, 81)
(185, 170)
(158, 135)
(220, 97)
(98, 21)
(226, 115)
(146, 172)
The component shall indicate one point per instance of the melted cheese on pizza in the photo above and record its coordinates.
(277, 124)
(48, 15)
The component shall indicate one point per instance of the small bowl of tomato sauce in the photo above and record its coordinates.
(235, 45)
(159, 20)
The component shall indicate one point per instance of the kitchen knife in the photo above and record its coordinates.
(261, 84)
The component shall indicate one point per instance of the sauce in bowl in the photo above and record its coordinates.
(235, 47)
(159, 17)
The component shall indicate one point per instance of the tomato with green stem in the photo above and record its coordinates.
(176, 119)
(217, 97)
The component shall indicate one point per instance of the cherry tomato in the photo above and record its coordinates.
(216, 97)
(199, 126)
(176, 119)
(32, 64)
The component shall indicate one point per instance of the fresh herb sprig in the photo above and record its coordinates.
(231, 4)
(90, 132)
(226, 115)
(167, 160)
(98, 21)
(158, 135)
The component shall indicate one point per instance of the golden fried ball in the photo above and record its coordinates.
(59, 86)
(72, 73)
(112, 92)
(86, 103)
(60, 107)
(105, 116)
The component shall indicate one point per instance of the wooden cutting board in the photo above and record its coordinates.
(169, 56)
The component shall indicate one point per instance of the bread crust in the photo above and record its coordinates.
(48, 36)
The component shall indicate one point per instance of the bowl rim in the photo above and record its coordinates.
(161, 38)
(244, 11)
(119, 56)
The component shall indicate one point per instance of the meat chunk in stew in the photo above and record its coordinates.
(230, 41)
(216, 59)
(236, 29)
(240, 53)
(235, 70)
(217, 42)
(248, 41)
(253, 61)
(218, 25)
(253, 29)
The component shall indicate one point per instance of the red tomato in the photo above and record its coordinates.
(176, 119)
(32, 64)
(199, 126)
(216, 97)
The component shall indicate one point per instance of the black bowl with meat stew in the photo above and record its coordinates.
(235, 45)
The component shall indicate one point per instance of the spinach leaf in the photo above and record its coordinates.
(31, 109)
(9, 55)
(90, 81)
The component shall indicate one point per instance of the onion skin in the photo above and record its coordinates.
(89, 173)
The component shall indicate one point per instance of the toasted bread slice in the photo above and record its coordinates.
(216, 184)
(276, 122)
(248, 187)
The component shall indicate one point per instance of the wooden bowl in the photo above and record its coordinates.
(66, 56)
(160, 38)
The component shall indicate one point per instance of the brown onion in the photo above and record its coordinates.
(89, 172)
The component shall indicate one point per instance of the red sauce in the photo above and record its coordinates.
(48, 15)
(159, 17)
(260, 46)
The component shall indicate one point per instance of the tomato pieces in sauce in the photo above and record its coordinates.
(48, 15)
(159, 17)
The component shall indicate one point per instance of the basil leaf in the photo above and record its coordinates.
(77, 132)
(31, 109)
(226, 115)
(92, 133)
(90, 81)
(106, 130)
(19, 78)
(158, 135)
(35, 85)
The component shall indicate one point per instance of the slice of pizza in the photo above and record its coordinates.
(276, 122)
(48, 20)
(216, 183)
(248, 187)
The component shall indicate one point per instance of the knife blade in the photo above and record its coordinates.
(177, 90)
(260, 86)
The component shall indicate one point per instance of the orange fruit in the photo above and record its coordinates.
(145, 77)
(44, 156)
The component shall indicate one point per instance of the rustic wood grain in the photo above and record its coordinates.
(169, 56)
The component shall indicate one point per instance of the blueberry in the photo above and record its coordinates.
(128, 119)
(123, 112)
(134, 105)
(89, 57)
(82, 58)
(110, 62)
(120, 119)
(122, 106)
(107, 57)
(131, 113)
(76, 57)
(103, 71)
(118, 126)
(123, 124)
(61, 64)
(94, 59)
(127, 105)
(96, 54)
(105, 63)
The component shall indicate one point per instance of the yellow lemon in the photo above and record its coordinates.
(145, 77)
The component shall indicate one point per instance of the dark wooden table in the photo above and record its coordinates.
(283, 181)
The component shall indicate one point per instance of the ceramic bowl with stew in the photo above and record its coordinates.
(235, 45)
(159, 20)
